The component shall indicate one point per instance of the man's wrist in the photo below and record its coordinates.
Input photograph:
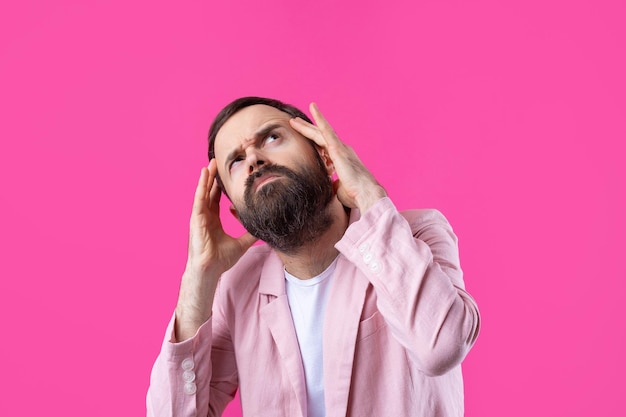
(195, 301)
(371, 197)
(187, 325)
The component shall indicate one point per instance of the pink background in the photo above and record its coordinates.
(509, 118)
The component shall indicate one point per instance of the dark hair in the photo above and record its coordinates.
(241, 103)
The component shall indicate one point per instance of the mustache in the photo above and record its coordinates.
(267, 169)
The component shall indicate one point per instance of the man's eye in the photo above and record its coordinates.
(235, 161)
(271, 138)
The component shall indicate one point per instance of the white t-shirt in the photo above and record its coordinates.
(307, 300)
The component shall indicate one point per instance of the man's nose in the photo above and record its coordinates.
(255, 160)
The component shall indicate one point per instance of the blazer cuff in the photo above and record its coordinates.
(174, 351)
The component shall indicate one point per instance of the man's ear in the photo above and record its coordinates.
(328, 163)
(233, 211)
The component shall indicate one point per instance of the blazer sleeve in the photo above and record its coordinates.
(412, 261)
(197, 377)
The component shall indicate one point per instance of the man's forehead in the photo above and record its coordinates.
(242, 126)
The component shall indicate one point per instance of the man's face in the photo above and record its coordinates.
(277, 181)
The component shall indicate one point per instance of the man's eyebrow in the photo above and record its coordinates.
(258, 135)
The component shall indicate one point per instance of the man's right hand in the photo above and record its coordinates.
(211, 252)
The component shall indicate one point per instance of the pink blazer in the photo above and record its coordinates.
(397, 326)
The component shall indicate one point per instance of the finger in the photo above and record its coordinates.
(322, 123)
(212, 167)
(215, 193)
(201, 190)
(308, 130)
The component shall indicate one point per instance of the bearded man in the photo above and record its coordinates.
(350, 309)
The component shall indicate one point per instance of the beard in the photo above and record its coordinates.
(290, 211)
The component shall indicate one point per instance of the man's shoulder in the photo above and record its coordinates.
(424, 216)
(429, 224)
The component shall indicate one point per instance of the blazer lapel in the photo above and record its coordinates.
(276, 314)
(341, 324)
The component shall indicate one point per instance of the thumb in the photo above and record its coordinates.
(336, 185)
(343, 196)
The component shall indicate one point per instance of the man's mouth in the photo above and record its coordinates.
(264, 179)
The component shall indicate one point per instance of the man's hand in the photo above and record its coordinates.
(210, 248)
(355, 185)
(211, 253)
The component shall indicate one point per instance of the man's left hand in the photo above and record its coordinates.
(355, 186)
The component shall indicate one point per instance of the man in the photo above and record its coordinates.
(351, 308)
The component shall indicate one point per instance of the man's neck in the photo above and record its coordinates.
(313, 258)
